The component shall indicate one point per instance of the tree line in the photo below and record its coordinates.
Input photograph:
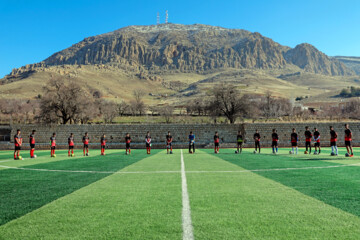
(66, 102)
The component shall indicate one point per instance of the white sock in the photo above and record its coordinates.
(336, 150)
(296, 150)
(332, 148)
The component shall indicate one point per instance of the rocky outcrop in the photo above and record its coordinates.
(310, 59)
(191, 48)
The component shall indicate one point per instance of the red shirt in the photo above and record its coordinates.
(17, 140)
(32, 139)
(103, 141)
(71, 141)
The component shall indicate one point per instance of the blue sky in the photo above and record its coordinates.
(31, 31)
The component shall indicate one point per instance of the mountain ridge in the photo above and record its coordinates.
(190, 48)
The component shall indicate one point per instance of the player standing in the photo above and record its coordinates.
(216, 142)
(308, 136)
(294, 141)
(71, 145)
(18, 143)
(275, 140)
(32, 143)
(169, 140)
(191, 142)
(239, 139)
(127, 143)
(103, 144)
(53, 144)
(257, 140)
(86, 140)
(148, 143)
(348, 139)
(317, 141)
(333, 140)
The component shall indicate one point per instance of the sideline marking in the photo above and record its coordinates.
(186, 212)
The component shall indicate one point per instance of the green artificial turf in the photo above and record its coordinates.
(140, 196)
(338, 187)
(24, 191)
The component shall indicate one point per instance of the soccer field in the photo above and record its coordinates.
(189, 196)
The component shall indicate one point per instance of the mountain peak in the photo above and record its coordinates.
(192, 48)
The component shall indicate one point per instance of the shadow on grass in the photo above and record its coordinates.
(24, 191)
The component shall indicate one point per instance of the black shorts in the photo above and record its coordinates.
(102, 146)
(294, 144)
(86, 145)
(71, 147)
(127, 145)
(17, 148)
(53, 148)
(216, 144)
(168, 145)
(307, 143)
(332, 143)
(32, 145)
(274, 144)
(239, 143)
(147, 145)
(348, 143)
(317, 144)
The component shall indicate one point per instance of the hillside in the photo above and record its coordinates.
(351, 62)
(174, 63)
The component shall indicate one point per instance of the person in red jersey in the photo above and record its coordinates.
(333, 141)
(169, 140)
(32, 143)
(317, 141)
(53, 144)
(294, 141)
(148, 143)
(103, 144)
(216, 142)
(275, 140)
(308, 136)
(348, 139)
(86, 141)
(127, 143)
(71, 145)
(18, 143)
(257, 140)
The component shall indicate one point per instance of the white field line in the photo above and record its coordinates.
(161, 172)
(6, 161)
(186, 212)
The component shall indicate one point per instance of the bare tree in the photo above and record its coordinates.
(138, 105)
(63, 101)
(108, 110)
(123, 108)
(226, 98)
(352, 109)
(167, 112)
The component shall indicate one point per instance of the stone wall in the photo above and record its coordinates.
(284, 130)
(204, 133)
(115, 134)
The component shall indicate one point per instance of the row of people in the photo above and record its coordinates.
(309, 137)
(294, 139)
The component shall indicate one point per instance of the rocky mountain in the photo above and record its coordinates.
(351, 62)
(310, 59)
(190, 48)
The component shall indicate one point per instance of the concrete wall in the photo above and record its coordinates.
(204, 133)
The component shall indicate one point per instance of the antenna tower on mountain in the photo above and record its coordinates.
(158, 18)
(166, 16)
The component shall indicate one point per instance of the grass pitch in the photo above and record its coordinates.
(139, 196)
